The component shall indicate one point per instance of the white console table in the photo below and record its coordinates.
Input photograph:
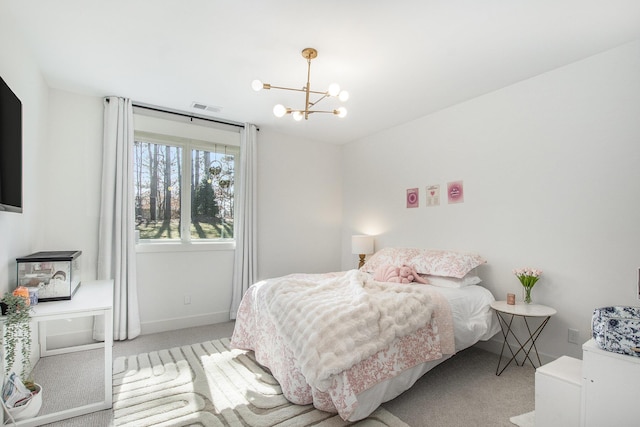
(93, 298)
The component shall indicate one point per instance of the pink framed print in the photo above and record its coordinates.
(412, 198)
(455, 192)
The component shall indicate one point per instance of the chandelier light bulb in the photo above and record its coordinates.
(334, 89)
(303, 112)
(279, 110)
(256, 85)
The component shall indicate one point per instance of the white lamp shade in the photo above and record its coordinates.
(362, 244)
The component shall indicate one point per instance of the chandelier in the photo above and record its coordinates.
(298, 114)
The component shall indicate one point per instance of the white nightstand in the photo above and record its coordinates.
(506, 314)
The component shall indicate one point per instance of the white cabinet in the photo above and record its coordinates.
(610, 387)
(558, 391)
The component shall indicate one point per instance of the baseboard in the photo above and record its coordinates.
(85, 336)
(183, 322)
(69, 339)
(494, 345)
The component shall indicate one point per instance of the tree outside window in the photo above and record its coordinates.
(160, 174)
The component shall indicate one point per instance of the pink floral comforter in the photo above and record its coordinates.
(255, 330)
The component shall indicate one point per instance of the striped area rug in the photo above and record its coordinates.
(209, 384)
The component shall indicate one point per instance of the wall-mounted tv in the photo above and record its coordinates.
(10, 150)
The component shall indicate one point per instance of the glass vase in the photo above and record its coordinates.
(527, 294)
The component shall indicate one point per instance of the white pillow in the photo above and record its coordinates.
(452, 282)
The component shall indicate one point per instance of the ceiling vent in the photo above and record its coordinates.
(204, 107)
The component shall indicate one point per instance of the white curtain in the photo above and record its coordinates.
(245, 264)
(116, 241)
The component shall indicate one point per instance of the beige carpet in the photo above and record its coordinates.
(211, 385)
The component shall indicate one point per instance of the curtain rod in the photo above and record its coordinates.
(183, 114)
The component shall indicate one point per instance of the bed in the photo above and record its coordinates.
(347, 343)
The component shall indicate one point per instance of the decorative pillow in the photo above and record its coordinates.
(452, 282)
(396, 257)
(445, 263)
(426, 261)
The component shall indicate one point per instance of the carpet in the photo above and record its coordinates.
(524, 420)
(210, 384)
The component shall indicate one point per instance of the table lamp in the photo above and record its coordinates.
(362, 245)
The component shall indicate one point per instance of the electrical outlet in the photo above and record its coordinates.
(187, 299)
(574, 336)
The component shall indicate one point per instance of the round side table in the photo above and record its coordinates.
(506, 313)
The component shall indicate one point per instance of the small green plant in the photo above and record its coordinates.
(17, 334)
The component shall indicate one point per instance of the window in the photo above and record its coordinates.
(183, 187)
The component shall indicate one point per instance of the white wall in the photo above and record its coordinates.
(551, 179)
(165, 279)
(299, 205)
(72, 163)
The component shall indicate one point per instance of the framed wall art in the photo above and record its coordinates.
(412, 198)
(433, 195)
(455, 192)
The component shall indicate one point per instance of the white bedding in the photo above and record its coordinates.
(327, 337)
(464, 313)
(473, 321)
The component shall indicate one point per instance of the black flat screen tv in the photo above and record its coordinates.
(10, 150)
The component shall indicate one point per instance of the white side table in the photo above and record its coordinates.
(92, 299)
(506, 313)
